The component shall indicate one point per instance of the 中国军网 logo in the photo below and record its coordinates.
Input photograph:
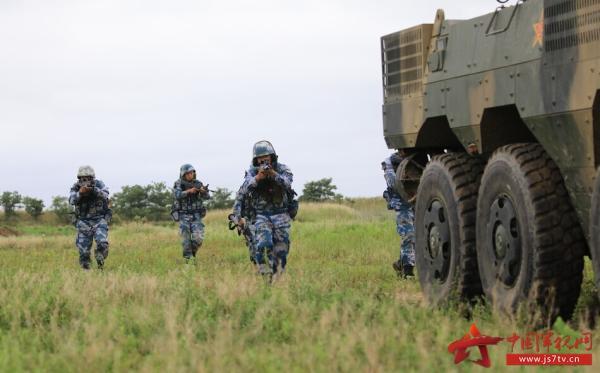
(535, 348)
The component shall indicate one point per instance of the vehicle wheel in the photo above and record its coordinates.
(595, 229)
(530, 243)
(445, 228)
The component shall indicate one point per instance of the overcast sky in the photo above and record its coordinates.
(136, 88)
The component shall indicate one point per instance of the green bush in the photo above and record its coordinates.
(320, 191)
(9, 201)
(33, 206)
(220, 199)
(151, 202)
(61, 208)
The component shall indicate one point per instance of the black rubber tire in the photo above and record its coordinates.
(595, 229)
(450, 182)
(546, 270)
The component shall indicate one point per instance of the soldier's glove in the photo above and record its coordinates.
(85, 190)
(260, 175)
(387, 164)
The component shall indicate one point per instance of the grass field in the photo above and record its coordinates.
(339, 307)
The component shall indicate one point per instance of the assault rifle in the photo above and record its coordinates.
(265, 166)
(90, 184)
(195, 184)
(234, 223)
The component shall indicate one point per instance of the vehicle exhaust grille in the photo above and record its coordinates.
(570, 23)
(403, 58)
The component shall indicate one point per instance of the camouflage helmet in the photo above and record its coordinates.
(185, 169)
(261, 149)
(86, 171)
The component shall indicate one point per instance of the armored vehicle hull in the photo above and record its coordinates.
(502, 115)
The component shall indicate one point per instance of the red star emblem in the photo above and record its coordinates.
(473, 339)
(538, 29)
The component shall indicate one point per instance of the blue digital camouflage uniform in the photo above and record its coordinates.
(190, 211)
(250, 238)
(92, 217)
(271, 222)
(404, 216)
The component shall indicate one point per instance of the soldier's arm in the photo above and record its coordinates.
(390, 177)
(249, 182)
(285, 178)
(179, 192)
(74, 195)
(100, 189)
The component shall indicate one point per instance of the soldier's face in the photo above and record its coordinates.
(189, 176)
(264, 159)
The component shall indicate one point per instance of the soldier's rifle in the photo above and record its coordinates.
(265, 166)
(234, 223)
(198, 185)
(89, 184)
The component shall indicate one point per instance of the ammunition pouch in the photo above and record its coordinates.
(293, 206)
(175, 213)
(108, 216)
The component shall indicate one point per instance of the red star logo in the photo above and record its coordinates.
(538, 29)
(473, 339)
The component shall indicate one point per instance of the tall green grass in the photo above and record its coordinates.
(339, 307)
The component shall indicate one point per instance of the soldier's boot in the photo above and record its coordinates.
(195, 247)
(84, 261)
(100, 262)
(187, 252)
(403, 270)
(265, 264)
(265, 271)
(280, 256)
(408, 271)
(272, 262)
(282, 259)
(101, 254)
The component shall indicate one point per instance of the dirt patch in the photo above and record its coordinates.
(7, 232)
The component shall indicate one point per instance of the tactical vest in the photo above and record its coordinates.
(193, 203)
(92, 206)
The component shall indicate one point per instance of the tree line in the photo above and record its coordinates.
(150, 202)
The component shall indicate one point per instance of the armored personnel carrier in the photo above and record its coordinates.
(500, 118)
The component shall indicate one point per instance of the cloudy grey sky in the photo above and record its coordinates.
(135, 88)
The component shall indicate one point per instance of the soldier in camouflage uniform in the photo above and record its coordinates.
(266, 199)
(188, 210)
(89, 196)
(405, 217)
